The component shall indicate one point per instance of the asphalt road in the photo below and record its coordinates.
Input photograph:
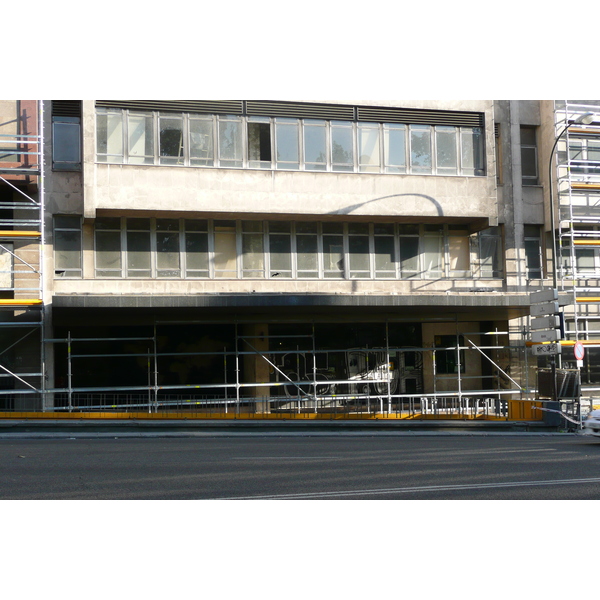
(337, 467)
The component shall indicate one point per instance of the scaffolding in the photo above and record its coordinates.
(578, 233)
(303, 380)
(22, 238)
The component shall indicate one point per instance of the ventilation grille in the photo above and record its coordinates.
(66, 108)
(306, 110)
(300, 110)
(416, 116)
(225, 107)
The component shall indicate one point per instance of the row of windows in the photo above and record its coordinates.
(148, 138)
(183, 248)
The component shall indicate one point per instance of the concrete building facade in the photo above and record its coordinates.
(268, 257)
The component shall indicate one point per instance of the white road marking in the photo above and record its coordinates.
(413, 490)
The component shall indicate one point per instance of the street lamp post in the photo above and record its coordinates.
(584, 119)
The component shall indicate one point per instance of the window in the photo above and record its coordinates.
(66, 135)
(490, 252)
(253, 254)
(170, 139)
(409, 250)
(201, 141)
(447, 361)
(342, 147)
(394, 148)
(472, 156)
(529, 159)
(167, 248)
(66, 144)
(368, 148)
(138, 248)
(359, 254)
(230, 142)
(263, 142)
(140, 138)
(196, 248)
(584, 156)
(384, 251)
(109, 136)
(229, 249)
(533, 251)
(280, 249)
(259, 142)
(287, 140)
(458, 252)
(67, 246)
(420, 149)
(225, 253)
(446, 145)
(307, 250)
(433, 251)
(108, 247)
(333, 251)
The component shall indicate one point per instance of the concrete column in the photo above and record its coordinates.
(256, 368)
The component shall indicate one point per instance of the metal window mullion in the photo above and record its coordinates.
(301, 145)
(320, 259)
(211, 249)
(182, 252)
(346, 251)
(239, 249)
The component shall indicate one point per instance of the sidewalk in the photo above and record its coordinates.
(92, 428)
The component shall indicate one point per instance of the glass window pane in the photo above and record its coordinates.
(307, 256)
(201, 142)
(533, 258)
(446, 154)
(395, 148)
(167, 254)
(315, 145)
(280, 248)
(171, 140)
(225, 254)
(420, 148)
(287, 137)
(67, 250)
(359, 256)
(458, 250)
(259, 143)
(471, 151)
(253, 256)
(342, 149)
(230, 142)
(196, 254)
(368, 148)
(66, 143)
(409, 256)
(109, 137)
(489, 254)
(433, 256)
(384, 256)
(138, 254)
(333, 256)
(108, 251)
(140, 139)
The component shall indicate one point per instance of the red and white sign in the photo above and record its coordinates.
(579, 351)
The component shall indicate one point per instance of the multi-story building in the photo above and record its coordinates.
(290, 257)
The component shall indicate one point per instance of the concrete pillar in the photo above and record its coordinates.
(256, 368)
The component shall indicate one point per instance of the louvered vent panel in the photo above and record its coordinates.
(224, 107)
(66, 108)
(302, 110)
(414, 116)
